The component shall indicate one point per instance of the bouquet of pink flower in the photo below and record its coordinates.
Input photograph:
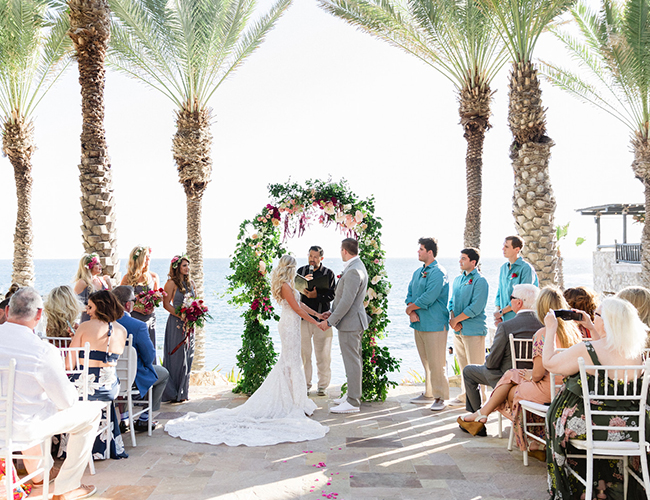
(147, 300)
(193, 312)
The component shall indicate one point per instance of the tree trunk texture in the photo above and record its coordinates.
(474, 113)
(90, 33)
(18, 146)
(641, 168)
(192, 146)
(533, 202)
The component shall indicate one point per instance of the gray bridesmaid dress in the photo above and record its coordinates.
(178, 364)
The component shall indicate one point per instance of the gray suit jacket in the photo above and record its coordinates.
(523, 325)
(348, 313)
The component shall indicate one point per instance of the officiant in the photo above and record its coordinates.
(319, 298)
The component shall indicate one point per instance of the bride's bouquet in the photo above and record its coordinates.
(193, 312)
(147, 300)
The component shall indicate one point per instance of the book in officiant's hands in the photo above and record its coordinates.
(322, 283)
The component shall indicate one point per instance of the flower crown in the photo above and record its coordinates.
(137, 252)
(92, 260)
(177, 260)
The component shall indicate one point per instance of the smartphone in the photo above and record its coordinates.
(568, 315)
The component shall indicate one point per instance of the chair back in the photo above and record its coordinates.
(75, 367)
(521, 350)
(7, 382)
(629, 390)
(127, 366)
(59, 341)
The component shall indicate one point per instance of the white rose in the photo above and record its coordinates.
(376, 279)
(347, 207)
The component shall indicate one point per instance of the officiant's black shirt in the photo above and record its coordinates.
(322, 302)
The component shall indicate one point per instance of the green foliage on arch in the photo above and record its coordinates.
(292, 209)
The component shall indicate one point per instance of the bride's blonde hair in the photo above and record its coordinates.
(285, 272)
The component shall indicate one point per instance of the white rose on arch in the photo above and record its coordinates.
(340, 217)
(262, 267)
(371, 294)
(358, 216)
(376, 279)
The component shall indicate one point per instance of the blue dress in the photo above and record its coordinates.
(103, 385)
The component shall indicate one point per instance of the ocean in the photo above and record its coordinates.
(223, 333)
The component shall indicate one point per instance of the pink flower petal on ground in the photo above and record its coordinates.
(316, 479)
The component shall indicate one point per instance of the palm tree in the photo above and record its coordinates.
(457, 39)
(186, 49)
(520, 24)
(33, 50)
(90, 33)
(613, 54)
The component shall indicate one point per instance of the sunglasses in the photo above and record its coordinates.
(512, 297)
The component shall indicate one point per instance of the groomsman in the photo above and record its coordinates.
(426, 302)
(319, 301)
(349, 317)
(467, 317)
(514, 272)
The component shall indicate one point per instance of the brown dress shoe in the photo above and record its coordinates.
(82, 492)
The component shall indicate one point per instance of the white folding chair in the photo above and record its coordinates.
(72, 364)
(127, 367)
(9, 449)
(613, 450)
(537, 409)
(521, 350)
(59, 341)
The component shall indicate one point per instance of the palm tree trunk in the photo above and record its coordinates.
(474, 113)
(641, 168)
(18, 145)
(90, 33)
(533, 203)
(192, 146)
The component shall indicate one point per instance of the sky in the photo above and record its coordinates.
(319, 99)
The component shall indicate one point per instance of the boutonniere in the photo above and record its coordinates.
(424, 274)
(470, 281)
(338, 276)
(514, 275)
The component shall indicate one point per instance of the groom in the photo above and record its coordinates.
(349, 317)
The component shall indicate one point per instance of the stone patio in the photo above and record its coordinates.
(390, 450)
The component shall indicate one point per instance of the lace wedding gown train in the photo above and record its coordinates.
(275, 413)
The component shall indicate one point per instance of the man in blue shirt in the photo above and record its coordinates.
(467, 315)
(147, 375)
(426, 301)
(514, 272)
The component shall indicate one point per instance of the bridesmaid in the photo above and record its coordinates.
(89, 279)
(179, 347)
(142, 279)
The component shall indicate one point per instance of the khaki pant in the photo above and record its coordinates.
(432, 348)
(470, 350)
(322, 349)
(80, 421)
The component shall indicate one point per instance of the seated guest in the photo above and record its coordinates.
(499, 361)
(639, 297)
(5, 302)
(62, 307)
(148, 375)
(519, 384)
(45, 402)
(107, 339)
(582, 299)
(621, 339)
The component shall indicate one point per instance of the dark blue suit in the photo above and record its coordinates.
(146, 375)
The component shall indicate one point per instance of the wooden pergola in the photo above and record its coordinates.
(623, 209)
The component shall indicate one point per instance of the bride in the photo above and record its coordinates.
(277, 411)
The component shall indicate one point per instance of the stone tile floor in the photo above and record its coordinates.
(390, 450)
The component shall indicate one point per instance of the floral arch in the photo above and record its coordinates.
(292, 209)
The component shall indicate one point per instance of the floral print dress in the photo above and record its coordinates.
(566, 420)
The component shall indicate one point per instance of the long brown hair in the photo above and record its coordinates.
(175, 273)
(549, 298)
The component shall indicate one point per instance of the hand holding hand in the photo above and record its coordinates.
(323, 325)
(326, 314)
(458, 327)
(413, 316)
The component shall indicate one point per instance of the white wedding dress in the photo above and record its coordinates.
(275, 413)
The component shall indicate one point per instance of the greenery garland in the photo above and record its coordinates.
(292, 209)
